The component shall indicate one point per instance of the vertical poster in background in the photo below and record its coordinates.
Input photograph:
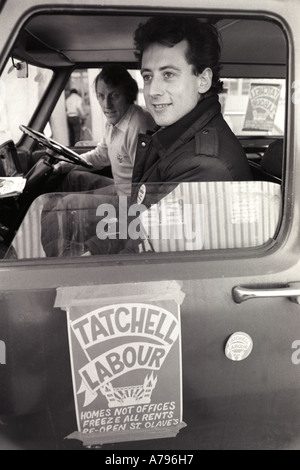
(125, 351)
(262, 107)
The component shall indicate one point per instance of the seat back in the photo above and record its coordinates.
(271, 161)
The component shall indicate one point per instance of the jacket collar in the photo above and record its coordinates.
(165, 139)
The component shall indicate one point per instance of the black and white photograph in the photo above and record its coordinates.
(149, 227)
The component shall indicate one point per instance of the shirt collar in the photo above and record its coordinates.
(122, 125)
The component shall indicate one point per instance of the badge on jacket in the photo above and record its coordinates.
(141, 194)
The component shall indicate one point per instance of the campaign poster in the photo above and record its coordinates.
(125, 352)
(262, 107)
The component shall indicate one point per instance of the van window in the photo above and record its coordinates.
(164, 217)
(20, 93)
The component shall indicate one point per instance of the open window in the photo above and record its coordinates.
(254, 105)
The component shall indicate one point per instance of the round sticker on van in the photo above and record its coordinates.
(238, 346)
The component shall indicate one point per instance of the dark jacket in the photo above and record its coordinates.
(198, 147)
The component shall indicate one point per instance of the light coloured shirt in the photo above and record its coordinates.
(74, 105)
(118, 146)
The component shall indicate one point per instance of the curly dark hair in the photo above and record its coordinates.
(203, 42)
(118, 76)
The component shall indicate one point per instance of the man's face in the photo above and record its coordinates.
(112, 101)
(171, 89)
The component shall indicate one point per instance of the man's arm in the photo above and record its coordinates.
(98, 157)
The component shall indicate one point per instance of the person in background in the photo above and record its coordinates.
(75, 115)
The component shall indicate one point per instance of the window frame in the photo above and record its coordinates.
(215, 256)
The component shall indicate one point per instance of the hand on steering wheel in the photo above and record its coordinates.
(60, 150)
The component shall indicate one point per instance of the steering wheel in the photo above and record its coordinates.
(59, 149)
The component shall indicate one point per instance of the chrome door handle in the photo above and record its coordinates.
(292, 291)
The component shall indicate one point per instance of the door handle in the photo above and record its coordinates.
(292, 291)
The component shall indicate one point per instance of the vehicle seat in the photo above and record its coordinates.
(271, 161)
